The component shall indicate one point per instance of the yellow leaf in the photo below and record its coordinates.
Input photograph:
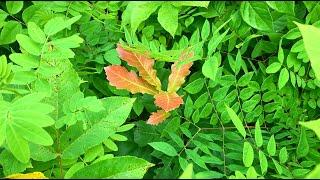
(34, 175)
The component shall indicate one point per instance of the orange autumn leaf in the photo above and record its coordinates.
(121, 78)
(158, 117)
(178, 74)
(34, 175)
(168, 101)
(143, 63)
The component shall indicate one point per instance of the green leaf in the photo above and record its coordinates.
(278, 166)
(14, 7)
(303, 145)
(313, 125)
(9, 32)
(191, 3)
(73, 169)
(124, 167)
(245, 79)
(25, 60)
(283, 155)
(257, 15)
(28, 44)
(263, 162)
(273, 68)
(283, 78)
(164, 147)
(36, 33)
(210, 68)
(248, 154)
(311, 41)
(271, 147)
(33, 133)
(57, 24)
(258, 135)
(280, 53)
(209, 175)
(195, 86)
(188, 172)
(315, 173)
(282, 6)
(168, 18)
(236, 121)
(140, 12)
(205, 31)
(17, 145)
(251, 173)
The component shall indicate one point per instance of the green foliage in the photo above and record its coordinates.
(251, 102)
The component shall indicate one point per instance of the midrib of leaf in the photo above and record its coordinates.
(261, 17)
(154, 80)
(132, 82)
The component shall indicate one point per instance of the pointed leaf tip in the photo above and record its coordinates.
(158, 117)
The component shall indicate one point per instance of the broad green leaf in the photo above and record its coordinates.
(188, 172)
(25, 60)
(33, 133)
(164, 147)
(273, 68)
(311, 41)
(205, 31)
(195, 86)
(257, 15)
(263, 162)
(282, 6)
(9, 32)
(271, 147)
(313, 125)
(258, 135)
(283, 155)
(14, 7)
(10, 165)
(245, 79)
(280, 53)
(251, 173)
(236, 121)
(140, 12)
(191, 3)
(57, 24)
(36, 33)
(117, 111)
(209, 175)
(283, 78)
(168, 18)
(210, 68)
(278, 166)
(248, 154)
(315, 173)
(73, 169)
(123, 167)
(28, 44)
(17, 145)
(303, 145)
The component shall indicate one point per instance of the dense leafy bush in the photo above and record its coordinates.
(241, 81)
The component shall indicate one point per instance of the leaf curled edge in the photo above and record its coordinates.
(121, 78)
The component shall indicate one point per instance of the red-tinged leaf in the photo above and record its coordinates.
(121, 78)
(158, 117)
(143, 63)
(168, 101)
(178, 74)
